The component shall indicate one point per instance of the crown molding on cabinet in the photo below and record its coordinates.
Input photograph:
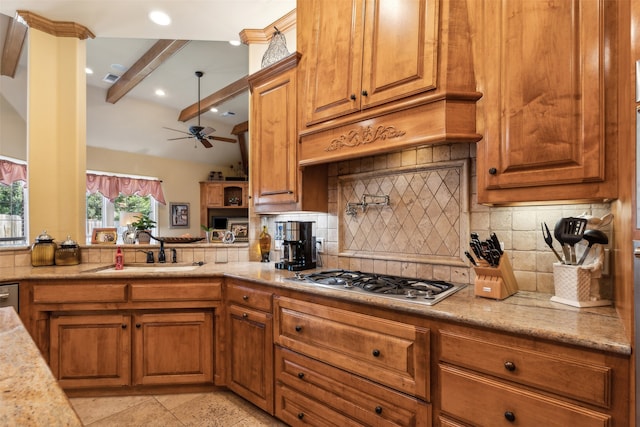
(55, 28)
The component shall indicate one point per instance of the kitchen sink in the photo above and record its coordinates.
(150, 268)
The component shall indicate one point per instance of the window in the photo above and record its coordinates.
(12, 214)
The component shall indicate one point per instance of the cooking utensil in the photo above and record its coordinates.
(496, 243)
(593, 237)
(473, 261)
(572, 232)
(549, 240)
(557, 233)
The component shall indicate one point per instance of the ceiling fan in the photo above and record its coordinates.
(202, 134)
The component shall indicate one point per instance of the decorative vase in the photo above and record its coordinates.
(129, 236)
(144, 237)
(265, 244)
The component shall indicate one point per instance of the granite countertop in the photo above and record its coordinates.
(528, 313)
(30, 395)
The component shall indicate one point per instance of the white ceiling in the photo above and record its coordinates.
(123, 33)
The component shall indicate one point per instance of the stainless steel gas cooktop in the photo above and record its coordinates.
(421, 291)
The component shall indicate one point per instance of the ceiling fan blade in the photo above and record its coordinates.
(207, 130)
(182, 137)
(176, 130)
(206, 143)
(220, 138)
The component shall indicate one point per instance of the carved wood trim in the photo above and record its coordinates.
(16, 34)
(226, 93)
(363, 135)
(161, 51)
(55, 28)
(287, 22)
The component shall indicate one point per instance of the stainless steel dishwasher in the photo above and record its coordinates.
(10, 296)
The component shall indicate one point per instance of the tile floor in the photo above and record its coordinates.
(220, 408)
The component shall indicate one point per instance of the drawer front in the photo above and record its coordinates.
(60, 294)
(296, 409)
(367, 402)
(478, 400)
(391, 353)
(247, 296)
(171, 291)
(582, 381)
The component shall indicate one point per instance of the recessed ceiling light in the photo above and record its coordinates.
(88, 70)
(159, 17)
(160, 92)
(235, 42)
(214, 110)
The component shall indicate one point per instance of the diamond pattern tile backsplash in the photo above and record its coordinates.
(425, 219)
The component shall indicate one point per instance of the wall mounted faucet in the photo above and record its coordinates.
(351, 208)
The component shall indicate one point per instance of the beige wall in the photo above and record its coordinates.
(13, 132)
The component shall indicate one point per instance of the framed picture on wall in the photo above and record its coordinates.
(240, 230)
(179, 215)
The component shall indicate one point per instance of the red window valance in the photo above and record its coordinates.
(111, 186)
(11, 172)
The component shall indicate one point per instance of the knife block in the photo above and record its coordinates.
(495, 282)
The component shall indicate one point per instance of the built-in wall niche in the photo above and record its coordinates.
(233, 196)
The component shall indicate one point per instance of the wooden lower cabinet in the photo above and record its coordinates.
(105, 350)
(173, 348)
(310, 392)
(250, 344)
(91, 350)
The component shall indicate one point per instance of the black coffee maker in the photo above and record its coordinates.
(299, 245)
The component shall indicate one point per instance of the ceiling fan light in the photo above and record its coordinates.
(159, 18)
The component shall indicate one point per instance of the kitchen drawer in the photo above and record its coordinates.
(172, 291)
(358, 398)
(296, 409)
(248, 296)
(388, 352)
(59, 294)
(481, 401)
(583, 381)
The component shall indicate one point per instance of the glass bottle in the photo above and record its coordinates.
(265, 244)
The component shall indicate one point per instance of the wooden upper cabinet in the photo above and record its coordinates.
(547, 87)
(365, 53)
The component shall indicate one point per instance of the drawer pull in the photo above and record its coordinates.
(4, 296)
(378, 410)
(124, 326)
(509, 366)
(510, 416)
(245, 315)
(300, 415)
(376, 353)
(245, 297)
(298, 328)
(138, 325)
(301, 375)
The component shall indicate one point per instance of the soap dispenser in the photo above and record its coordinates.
(119, 259)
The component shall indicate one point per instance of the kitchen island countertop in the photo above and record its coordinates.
(29, 395)
(527, 313)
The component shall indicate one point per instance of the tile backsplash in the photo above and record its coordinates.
(425, 230)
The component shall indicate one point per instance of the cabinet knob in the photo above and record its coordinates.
(510, 416)
(300, 415)
(245, 297)
(378, 410)
(124, 326)
(301, 375)
(365, 93)
(509, 366)
(138, 325)
(298, 328)
(353, 97)
(493, 171)
(376, 353)
(245, 315)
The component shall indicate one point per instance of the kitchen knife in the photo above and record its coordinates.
(473, 261)
(496, 243)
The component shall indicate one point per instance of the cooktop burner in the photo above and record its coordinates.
(422, 291)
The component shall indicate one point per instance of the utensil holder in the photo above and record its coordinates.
(572, 285)
(495, 282)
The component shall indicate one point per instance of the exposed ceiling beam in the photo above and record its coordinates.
(16, 33)
(239, 130)
(226, 93)
(152, 59)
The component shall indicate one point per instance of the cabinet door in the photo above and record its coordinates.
(213, 194)
(544, 91)
(251, 356)
(273, 140)
(173, 348)
(334, 64)
(91, 350)
(399, 55)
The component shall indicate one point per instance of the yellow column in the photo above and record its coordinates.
(56, 135)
